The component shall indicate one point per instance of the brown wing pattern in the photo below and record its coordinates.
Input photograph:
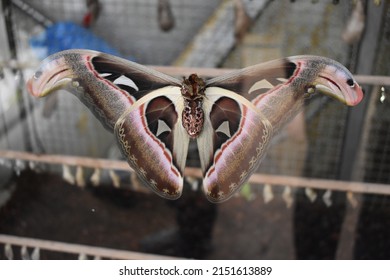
(106, 84)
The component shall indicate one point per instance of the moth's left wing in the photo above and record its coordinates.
(246, 107)
(278, 87)
(106, 84)
(154, 142)
(232, 144)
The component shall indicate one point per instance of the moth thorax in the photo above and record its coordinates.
(193, 87)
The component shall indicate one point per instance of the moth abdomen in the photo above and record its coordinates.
(193, 117)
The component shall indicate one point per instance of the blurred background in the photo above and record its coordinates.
(107, 208)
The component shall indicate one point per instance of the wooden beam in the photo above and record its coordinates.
(274, 180)
(79, 249)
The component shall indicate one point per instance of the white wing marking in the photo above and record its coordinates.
(224, 128)
(105, 75)
(123, 80)
(162, 127)
(260, 85)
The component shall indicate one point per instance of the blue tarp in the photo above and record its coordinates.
(68, 35)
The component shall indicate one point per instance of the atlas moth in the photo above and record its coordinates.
(154, 116)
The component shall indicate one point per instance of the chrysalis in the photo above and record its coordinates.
(95, 178)
(327, 198)
(67, 174)
(383, 95)
(287, 196)
(116, 180)
(19, 166)
(24, 253)
(80, 181)
(8, 252)
(311, 195)
(267, 193)
(35, 255)
(166, 20)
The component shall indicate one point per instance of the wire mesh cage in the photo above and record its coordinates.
(316, 175)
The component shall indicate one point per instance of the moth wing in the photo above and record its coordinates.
(106, 84)
(254, 103)
(279, 87)
(153, 140)
(233, 142)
